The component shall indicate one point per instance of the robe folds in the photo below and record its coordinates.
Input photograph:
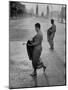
(51, 32)
(34, 49)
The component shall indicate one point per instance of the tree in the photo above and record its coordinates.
(42, 14)
(37, 10)
(16, 8)
(63, 14)
(12, 9)
(47, 10)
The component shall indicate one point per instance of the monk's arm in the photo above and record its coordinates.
(37, 41)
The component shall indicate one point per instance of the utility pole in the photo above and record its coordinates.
(37, 10)
(51, 12)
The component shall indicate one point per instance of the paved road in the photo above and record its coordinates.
(20, 66)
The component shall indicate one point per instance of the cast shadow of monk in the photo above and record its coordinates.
(55, 57)
(46, 77)
(55, 68)
(41, 80)
(35, 81)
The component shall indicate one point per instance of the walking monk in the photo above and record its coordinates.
(34, 52)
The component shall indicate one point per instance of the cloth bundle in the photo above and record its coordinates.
(29, 49)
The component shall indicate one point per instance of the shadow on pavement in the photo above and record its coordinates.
(35, 81)
(46, 77)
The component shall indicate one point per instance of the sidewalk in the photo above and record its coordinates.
(21, 66)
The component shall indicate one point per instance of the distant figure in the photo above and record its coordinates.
(51, 33)
(34, 49)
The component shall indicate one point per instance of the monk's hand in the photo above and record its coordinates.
(29, 44)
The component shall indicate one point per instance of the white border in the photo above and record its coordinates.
(4, 42)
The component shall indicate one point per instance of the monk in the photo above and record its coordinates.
(36, 48)
(51, 34)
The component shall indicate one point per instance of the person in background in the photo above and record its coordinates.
(36, 44)
(51, 34)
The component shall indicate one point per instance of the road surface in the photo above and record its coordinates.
(21, 67)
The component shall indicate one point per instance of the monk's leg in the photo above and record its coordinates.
(51, 43)
(35, 70)
(34, 64)
(44, 67)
